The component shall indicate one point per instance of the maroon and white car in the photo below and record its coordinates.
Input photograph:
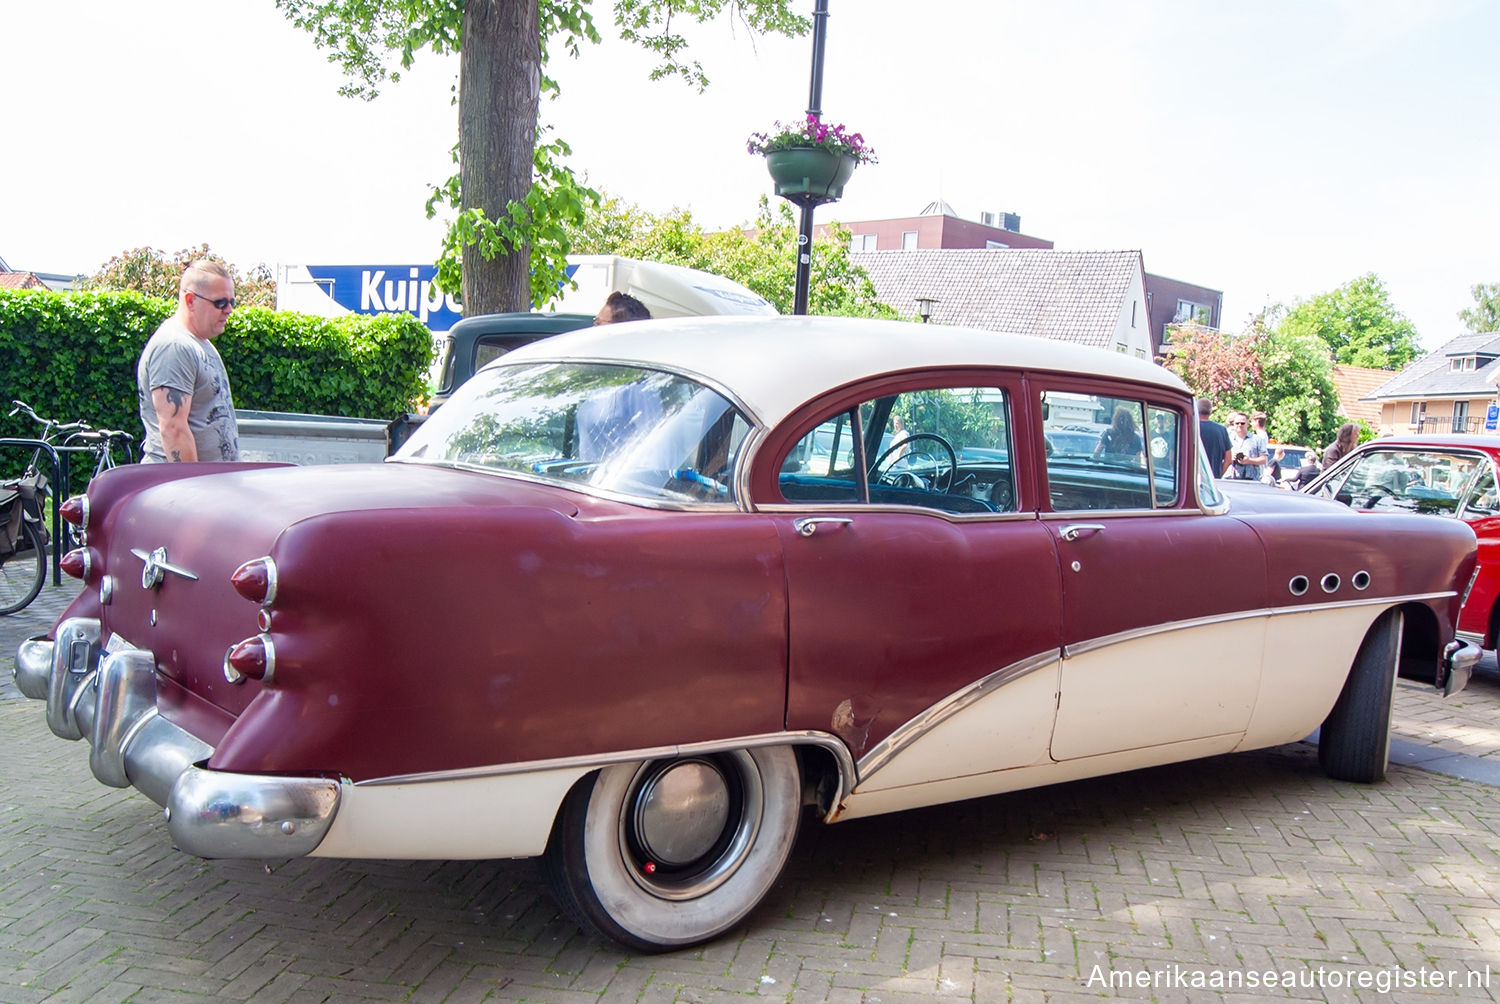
(638, 597)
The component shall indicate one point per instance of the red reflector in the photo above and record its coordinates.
(75, 510)
(255, 580)
(76, 563)
(253, 657)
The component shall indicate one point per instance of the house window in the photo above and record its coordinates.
(862, 242)
(908, 240)
(1418, 414)
(1187, 310)
(1462, 363)
(1460, 416)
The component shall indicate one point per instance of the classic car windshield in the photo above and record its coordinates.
(640, 432)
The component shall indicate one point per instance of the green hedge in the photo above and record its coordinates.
(72, 356)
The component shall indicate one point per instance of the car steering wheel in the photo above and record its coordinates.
(941, 479)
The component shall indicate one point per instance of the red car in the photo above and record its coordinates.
(1442, 475)
(638, 596)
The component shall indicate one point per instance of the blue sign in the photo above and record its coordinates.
(1491, 417)
(389, 289)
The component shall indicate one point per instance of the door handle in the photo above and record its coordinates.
(1073, 531)
(808, 525)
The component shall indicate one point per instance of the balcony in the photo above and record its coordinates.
(1447, 424)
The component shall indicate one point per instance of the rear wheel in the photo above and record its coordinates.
(23, 571)
(1355, 741)
(671, 853)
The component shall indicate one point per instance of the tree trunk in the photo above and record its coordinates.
(499, 87)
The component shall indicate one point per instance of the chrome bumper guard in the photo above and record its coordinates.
(109, 697)
(1459, 659)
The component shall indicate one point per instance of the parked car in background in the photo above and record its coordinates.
(1448, 474)
(1290, 460)
(637, 597)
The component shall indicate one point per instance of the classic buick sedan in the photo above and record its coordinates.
(1443, 474)
(639, 597)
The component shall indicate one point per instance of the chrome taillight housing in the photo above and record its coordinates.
(254, 658)
(255, 580)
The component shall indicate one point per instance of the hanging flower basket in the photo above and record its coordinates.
(809, 170)
(811, 159)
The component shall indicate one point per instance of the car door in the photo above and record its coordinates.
(1163, 604)
(922, 601)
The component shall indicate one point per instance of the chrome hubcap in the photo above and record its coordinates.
(688, 824)
(682, 813)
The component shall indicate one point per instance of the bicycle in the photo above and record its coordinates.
(26, 501)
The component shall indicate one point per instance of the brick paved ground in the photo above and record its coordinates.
(1219, 868)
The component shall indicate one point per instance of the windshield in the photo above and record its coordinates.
(644, 433)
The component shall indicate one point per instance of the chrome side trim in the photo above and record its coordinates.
(822, 740)
(1070, 651)
(848, 506)
(1475, 638)
(904, 735)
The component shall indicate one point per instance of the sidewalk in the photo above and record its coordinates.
(1203, 879)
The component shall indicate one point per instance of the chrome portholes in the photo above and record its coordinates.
(1360, 580)
(1331, 582)
(1299, 585)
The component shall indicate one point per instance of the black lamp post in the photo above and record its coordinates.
(924, 307)
(808, 201)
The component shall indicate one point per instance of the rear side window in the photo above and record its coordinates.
(1109, 453)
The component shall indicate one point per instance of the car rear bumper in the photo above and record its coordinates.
(1459, 659)
(109, 698)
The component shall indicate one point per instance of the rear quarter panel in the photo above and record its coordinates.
(423, 640)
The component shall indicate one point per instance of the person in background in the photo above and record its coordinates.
(1215, 438)
(619, 307)
(1248, 450)
(1121, 441)
(1348, 437)
(181, 384)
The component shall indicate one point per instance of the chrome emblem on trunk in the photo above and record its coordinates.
(157, 567)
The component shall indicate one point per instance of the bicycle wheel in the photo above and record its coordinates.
(23, 571)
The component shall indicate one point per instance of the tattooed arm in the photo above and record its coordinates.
(172, 416)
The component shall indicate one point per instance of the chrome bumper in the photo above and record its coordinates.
(109, 698)
(1459, 659)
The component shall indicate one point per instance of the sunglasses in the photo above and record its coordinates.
(222, 303)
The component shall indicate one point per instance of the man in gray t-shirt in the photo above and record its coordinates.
(181, 383)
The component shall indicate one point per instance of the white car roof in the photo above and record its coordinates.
(775, 364)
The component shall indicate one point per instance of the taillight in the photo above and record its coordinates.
(76, 511)
(254, 658)
(255, 580)
(78, 563)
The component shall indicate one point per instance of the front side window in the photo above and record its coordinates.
(1426, 481)
(1109, 453)
(946, 448)
(642, 433)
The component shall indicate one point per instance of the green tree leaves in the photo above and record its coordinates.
(1359, 324)
(762, 256)
(372, 41)
(1484, 316)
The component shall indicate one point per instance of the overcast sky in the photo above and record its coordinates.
(1274, 150)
